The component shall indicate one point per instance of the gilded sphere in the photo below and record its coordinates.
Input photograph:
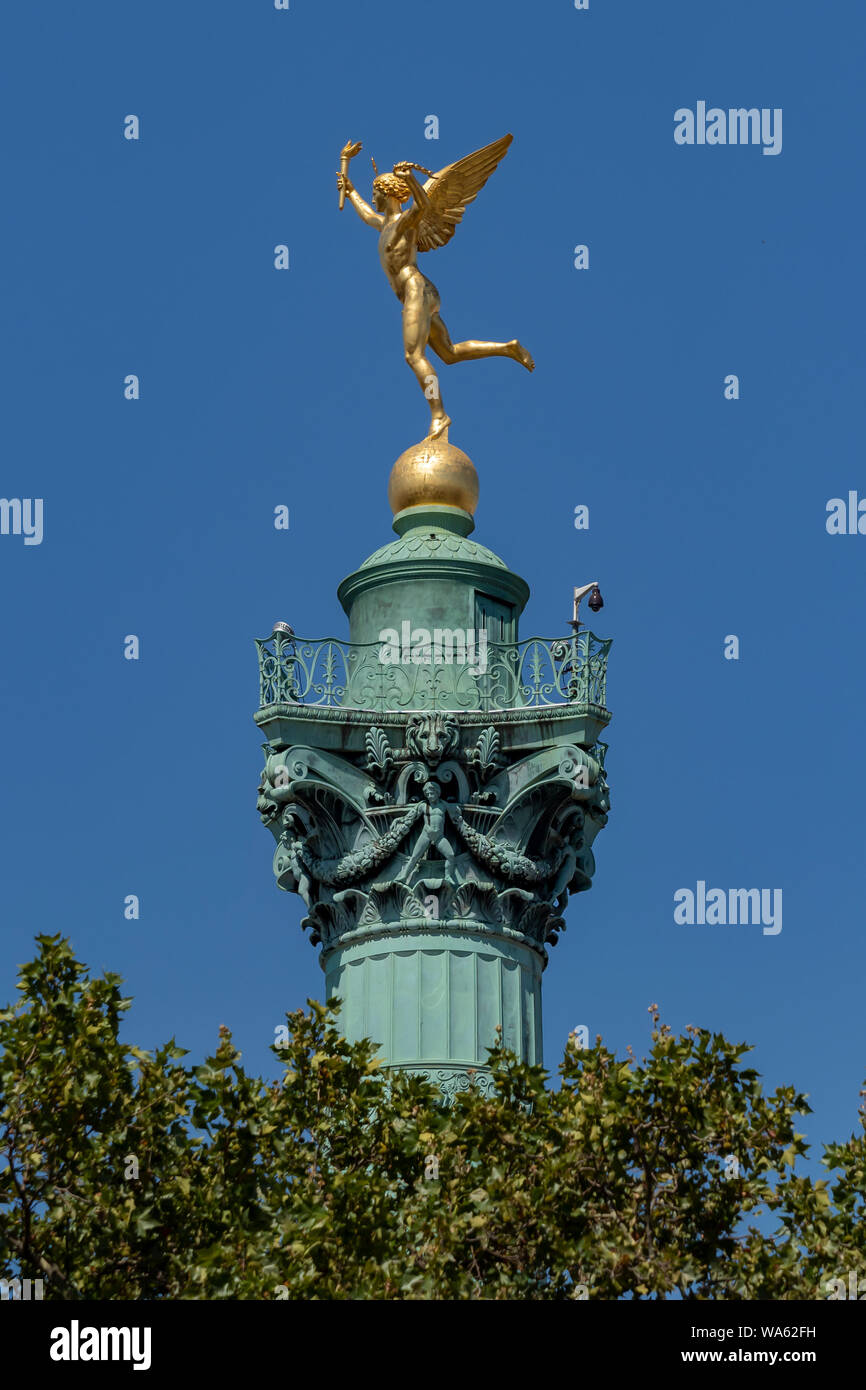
(433, 473)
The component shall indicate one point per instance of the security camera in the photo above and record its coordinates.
(579, 593)
(595, 600)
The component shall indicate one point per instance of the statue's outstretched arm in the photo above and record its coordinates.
(346, 187)
(407, 174)
(364, 211)
(420, 202)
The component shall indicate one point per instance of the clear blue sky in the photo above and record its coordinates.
(707, 517)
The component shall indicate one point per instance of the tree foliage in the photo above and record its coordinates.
(126, 1174)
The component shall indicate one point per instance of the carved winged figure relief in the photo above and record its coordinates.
(431, 219)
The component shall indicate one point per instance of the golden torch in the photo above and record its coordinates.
(347, 152)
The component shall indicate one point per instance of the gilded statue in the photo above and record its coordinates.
(435, 209)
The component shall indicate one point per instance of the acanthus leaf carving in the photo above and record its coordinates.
(486, 761)
(513, 844)
(380, 761)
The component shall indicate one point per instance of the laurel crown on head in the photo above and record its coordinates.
(390, 186)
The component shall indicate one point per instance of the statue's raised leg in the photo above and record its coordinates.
(472, 348)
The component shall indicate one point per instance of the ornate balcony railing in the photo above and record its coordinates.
(539, 671)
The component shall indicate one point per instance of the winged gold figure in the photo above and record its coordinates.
(431, 220)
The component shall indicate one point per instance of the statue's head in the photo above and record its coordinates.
(432, 792)
(388, 186)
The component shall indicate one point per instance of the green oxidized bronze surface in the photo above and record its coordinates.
(538, 671)
(434, 819)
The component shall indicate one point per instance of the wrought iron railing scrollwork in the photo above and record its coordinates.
(539, 671)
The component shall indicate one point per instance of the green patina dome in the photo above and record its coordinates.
(433, 576)
(432, 543)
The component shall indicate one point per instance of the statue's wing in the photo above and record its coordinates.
(453, 189)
